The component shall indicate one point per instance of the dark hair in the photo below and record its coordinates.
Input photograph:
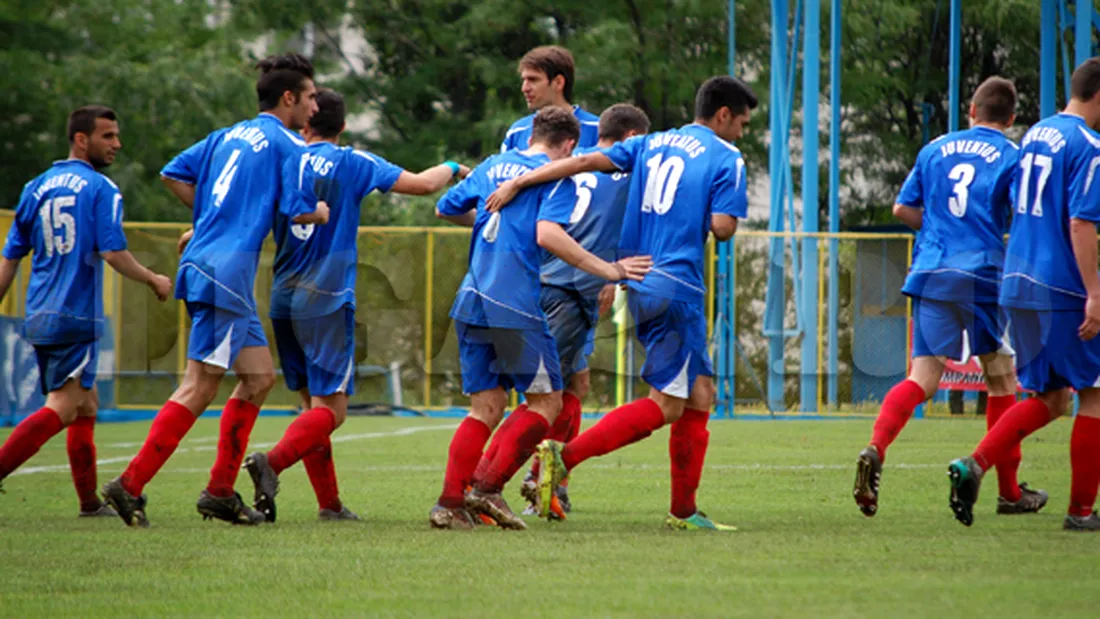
(723, 91)
(554, 125)
(328, 120)
(279, 74)
(995, 100)
(1085, 82)
(82, 119)
(553, 61)
(620, 118)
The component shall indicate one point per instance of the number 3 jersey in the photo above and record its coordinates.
(961, 181)
(679, 178)
(238, 182)
(1056, 180)
(67, 216)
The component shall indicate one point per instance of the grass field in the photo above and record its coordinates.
(803, 549)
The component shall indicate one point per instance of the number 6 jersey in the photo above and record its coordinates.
(237, 174)
(961, 181)
(67, 217)
(678, 179)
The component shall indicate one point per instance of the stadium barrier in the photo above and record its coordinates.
(407, 356)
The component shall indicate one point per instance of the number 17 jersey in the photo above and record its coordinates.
(961, 181)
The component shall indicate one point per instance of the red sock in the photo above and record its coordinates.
(322, 476)
(168, 429)
(627, 424)
(575, 429)
(80, 444)
(1013, 427)
(27, 438)
(527, 430)
(302, 436)
(464, 453)
(1084, 455)
(897, 408)
(562, 430)
(238, 417)
(687, 448)
(1007, 484)
(494, 445)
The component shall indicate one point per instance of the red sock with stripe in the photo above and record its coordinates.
(627, 424)
(80, 445)
(526, 431)
(169, 427)
(27, 438)
(1017, 423)
(462, 458)
(562, 429)
(494, 446)
(1007, 484)
(306, 433)
(238, 418)
(897, 408)
(322, 476)
(687, 449)
(1084, 455)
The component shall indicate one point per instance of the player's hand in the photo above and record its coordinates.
(185, 238)
(321, 213)
(501, 197)
(606, 298)
(633, 268)
(1091, 326)
(161, 286)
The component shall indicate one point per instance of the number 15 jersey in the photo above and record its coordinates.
(961, 181)
(678, 179)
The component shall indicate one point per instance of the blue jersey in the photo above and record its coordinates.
(237, 173)
(315, 265)
(961, 181)
(679, 178)
(67, 216)
(1056, 180)
(519, 134)
(595, 224)
(501, 287)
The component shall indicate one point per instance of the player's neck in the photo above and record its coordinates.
(562, 103)
(315, 139)
(1080, 109)
(605, 143)
(282, 113)
(989, 125)
(75, 156)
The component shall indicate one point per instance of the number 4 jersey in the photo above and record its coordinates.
(961, 181)
(67, 216)
(1056, 180)
(678, 179)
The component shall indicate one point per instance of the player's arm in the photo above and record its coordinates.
(8, 268)
(181, 174)
(910, 202)
(18, 244)
(554, 239)
(595, 161)
(127, 266)
(459, 205)
(1084, 213)
(110, 242)
(723, 226)
(429, 181)
(912, 216)
(729, 196)
(185, 192)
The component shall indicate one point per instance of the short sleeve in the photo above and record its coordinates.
(1001, 200)
(187, 166)
(557, 201)
(298, 196)
(729, 192)
(373, 173)
(22, 226)
(623, 154)
(464, 196)
(109, 235)
(912, 191)
(1084, 182)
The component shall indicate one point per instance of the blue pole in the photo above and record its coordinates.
(1063, 27)
(1048, 27)
(834, 196)
(1083, 36)
(953, 73)
(774, 301)
(811, 97)
(731, 265)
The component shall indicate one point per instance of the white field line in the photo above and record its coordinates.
(343, 438)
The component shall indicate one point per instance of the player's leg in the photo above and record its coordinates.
(488, 399)
(687, 449)
(61, 374)
(937, 335)
(1084, 453)
(80, 446)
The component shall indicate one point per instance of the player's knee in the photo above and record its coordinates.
(580, 385)
(259, 384)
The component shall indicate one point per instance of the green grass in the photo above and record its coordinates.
(803, 548)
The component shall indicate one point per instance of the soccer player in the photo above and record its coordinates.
(313, 297)
(70, 217)
(1052, 294)
(547, 76)
(232, 182)
(684, 183)
(503, 338)
(957, 196)
(571, 298)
